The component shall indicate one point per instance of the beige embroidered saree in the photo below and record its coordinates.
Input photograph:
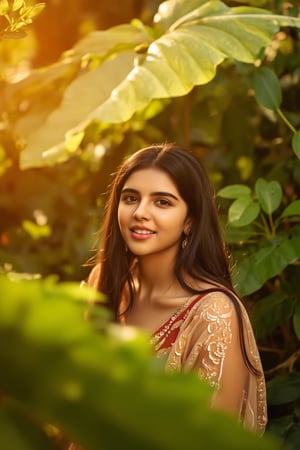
(204, 336)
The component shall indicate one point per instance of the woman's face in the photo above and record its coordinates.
(152, 215)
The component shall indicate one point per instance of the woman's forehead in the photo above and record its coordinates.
(151, 178)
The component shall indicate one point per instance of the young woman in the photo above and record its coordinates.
(164, 268)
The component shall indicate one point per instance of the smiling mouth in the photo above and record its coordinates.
(142, 232)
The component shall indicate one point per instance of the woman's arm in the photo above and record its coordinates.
(209, 344)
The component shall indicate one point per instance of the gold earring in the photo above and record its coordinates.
(184, 242)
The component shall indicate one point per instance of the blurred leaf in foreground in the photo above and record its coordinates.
(100, 385)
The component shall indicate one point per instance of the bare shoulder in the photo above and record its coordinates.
(94, 276)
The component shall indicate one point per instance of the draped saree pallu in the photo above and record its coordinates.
(203, 336)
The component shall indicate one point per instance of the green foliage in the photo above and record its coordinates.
(282, 306)
(274, 247)
(104, 385)
(49, 219)
(296, 143)
(17, 15)
(289, 393)
(270, 245)
(268, 93)
(267, 88)
(284, 390)
(293, 209)
(193, 39)
(269, 195)
(247, 206)
(242, 119)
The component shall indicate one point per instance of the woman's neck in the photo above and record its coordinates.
(156, 281)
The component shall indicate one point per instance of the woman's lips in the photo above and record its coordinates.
(141, 233)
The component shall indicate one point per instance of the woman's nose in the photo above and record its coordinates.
(142, 211)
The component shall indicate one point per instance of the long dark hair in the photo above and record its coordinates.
(204, 258)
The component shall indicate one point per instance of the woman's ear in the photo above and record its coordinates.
(187, 226)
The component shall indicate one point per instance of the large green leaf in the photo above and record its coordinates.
(284, 389)
(103, 43)
(200, 35)
(238, 235)
(293, 209)
(267, 88)
(234, 191)
(280, 303)
(296, 143)
(266, 262)
(244, 279)
(269, 194)
(273, 259)
(47, 144)
(39, 93)
(187, 55)
(243, 211)
(170, 12)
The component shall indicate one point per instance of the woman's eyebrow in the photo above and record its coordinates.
(164, 194)
(154, 194)
(134, 191)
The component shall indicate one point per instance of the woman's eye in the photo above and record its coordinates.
(129, 198)
(163, 202)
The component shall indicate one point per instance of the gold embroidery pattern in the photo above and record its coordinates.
(262, 417)
(212, 318)
(159, 338)
(217, 315)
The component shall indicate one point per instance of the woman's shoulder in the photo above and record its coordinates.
(93, 277)
(216, 301)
